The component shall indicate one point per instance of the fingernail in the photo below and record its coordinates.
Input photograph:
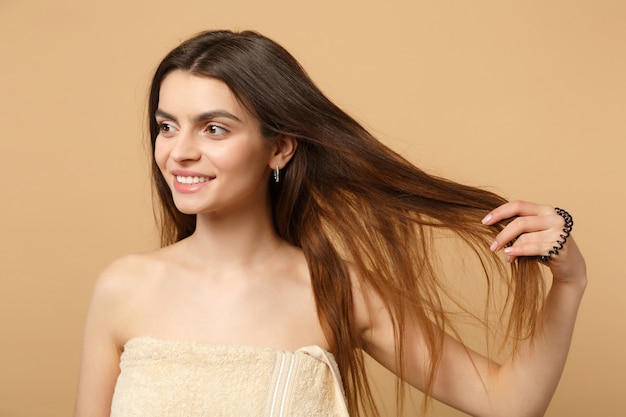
(494, 246)
(508, 250)
(486, 219)
(508, 258)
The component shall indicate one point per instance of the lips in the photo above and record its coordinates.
(190, 182)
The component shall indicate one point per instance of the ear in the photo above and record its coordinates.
(284, 148)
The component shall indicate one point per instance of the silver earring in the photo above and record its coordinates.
(277, 174)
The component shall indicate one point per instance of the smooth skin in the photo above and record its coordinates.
(235, 282)
(524, 384)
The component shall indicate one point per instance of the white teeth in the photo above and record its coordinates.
(191, 180)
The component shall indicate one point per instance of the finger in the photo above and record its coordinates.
(528, 238)
(515, 208)
(530, 229)
(532, 249)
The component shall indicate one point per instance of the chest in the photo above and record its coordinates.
(279, 314)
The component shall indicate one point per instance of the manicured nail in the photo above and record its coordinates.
(508, 258)
(508, 250)
(487, 219)
(494, 246)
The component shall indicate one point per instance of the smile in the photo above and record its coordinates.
(191, 180)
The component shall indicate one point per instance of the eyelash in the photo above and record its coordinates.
(165, 127)
(211, 128)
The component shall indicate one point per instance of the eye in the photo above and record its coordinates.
(165, 128)
(215, 130)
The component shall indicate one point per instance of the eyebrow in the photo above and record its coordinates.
(201, 117)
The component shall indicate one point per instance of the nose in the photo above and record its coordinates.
(185, 147)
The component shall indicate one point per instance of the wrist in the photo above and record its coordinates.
(578, 283)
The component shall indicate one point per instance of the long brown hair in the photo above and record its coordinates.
(346, 199)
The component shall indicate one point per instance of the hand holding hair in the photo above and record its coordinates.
(542, 231)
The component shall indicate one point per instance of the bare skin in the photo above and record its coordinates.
(524, 384)
(235, 282)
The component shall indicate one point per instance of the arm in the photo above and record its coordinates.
(524, 384)
(536, 368)
(101, 349)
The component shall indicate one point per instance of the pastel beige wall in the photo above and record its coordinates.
(526, 97)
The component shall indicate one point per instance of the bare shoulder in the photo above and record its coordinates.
(136, 270)
(108, 325)
(124, 273)
(122, 288)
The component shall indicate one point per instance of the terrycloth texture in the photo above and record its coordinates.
(189, 379)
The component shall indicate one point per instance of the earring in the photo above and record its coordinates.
(277, 174)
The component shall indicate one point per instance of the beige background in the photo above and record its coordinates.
(528, 97)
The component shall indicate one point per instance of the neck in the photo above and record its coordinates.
(235, 241)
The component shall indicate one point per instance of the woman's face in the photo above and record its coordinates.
(210, 149)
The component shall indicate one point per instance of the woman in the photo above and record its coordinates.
(294, 241)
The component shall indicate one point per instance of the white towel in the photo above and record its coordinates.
(189, 379)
